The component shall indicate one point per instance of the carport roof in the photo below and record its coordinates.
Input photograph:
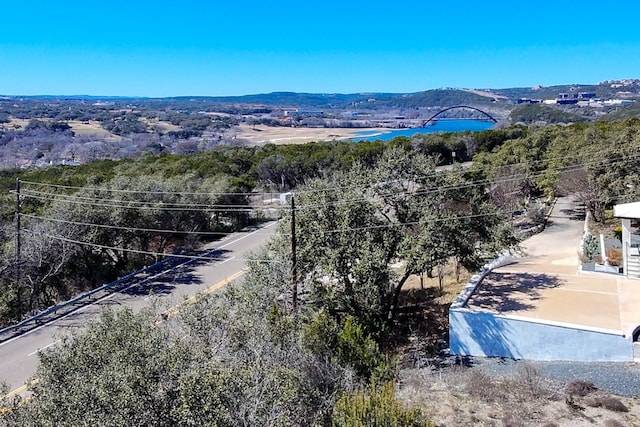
(627, 210)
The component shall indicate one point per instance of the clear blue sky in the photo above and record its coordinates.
(209, 47)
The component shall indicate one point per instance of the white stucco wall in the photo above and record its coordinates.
(475, 333)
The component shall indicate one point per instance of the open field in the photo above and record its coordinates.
(16, 124)
(89, 128)
(160, 125)
(261, 134)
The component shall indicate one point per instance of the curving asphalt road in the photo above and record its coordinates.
(19, 355)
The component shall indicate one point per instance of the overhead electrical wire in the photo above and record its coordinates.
(576, 157)
(301, 207)
(83, 200)
(245, 208)
(332, 231)
(116, 190)
(141, 252)
(186, 208)
(115, 227)
(161, 203)
(463, 170)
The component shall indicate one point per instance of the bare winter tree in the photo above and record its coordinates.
(581, 184)
(510, 188)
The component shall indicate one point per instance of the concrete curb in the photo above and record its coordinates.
(505, 259)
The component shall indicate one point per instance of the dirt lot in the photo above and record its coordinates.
(459, 396)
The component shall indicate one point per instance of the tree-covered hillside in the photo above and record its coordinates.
(540, 113)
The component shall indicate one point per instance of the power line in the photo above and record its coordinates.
(430, 190)
(115, 227)
(162, 203)
(169, 207)
(141, 252)
(509, 178)
(114, 190)
(462, 171)
(187, 208)
(134, 204)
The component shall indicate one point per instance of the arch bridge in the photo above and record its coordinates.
(489, 116)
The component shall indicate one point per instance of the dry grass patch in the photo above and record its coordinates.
(613, 423)
(160, 125)
(460, 396)
(580, 388)
(607, 402)
(16, 124)
(91, 127)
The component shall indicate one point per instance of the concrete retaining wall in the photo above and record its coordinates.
(485, 334)
(475, 333)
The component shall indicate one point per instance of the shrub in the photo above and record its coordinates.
(580, 388)
(607, 402)
(536, 212)
(376, 406)
(356, 348)
(614, 256)
(591, 246)
(480, 385)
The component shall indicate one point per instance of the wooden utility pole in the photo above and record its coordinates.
(18, 243)
(294, 268)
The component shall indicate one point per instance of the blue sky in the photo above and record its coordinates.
(172, 48)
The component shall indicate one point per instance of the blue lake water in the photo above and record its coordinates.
(439, 126)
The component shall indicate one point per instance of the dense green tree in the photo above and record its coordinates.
(361, 235)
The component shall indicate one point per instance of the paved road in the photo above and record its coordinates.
(561, 238)
(19, 356)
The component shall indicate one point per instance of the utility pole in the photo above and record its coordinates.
(17, 260)
(294, 268)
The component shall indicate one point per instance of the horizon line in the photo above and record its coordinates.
(298, 93)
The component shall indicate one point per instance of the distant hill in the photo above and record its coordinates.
(498, 100)
(440, 98)
(429, 98)
(293, 99)
(607, 89)
(624, 112)
(532, 113)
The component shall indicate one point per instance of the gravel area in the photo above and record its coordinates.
(614, 377)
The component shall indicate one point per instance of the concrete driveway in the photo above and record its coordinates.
(547, 284)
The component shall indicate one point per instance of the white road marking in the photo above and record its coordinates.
(246, 235)
(43, 348)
